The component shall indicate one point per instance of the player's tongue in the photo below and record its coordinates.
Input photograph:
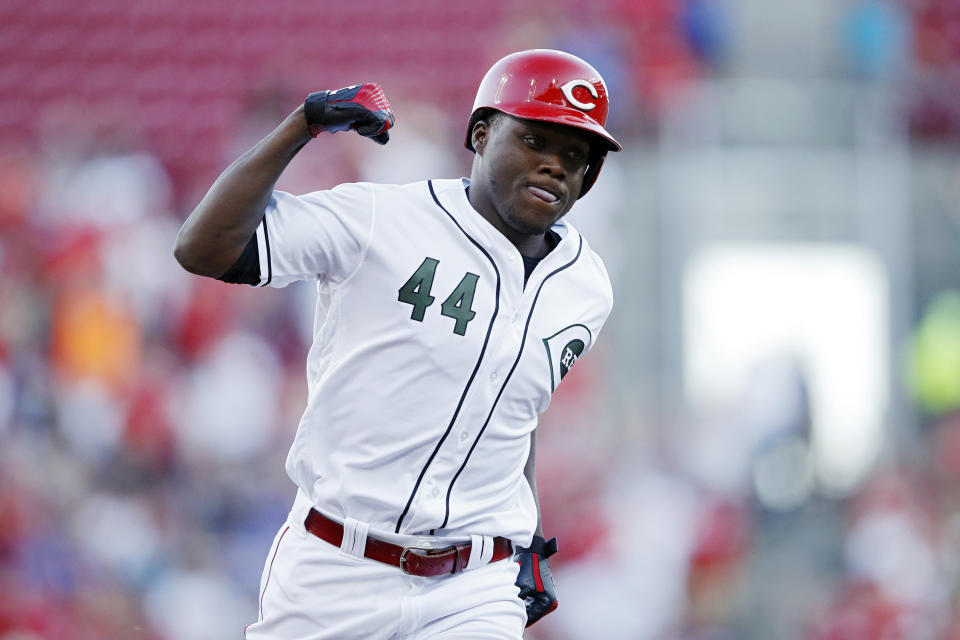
(543, 194)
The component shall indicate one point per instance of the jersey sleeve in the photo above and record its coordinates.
(606, 289)
(321, 235)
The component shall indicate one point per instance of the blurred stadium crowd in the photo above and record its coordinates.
(145, 414)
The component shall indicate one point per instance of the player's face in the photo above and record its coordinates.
(528, 173)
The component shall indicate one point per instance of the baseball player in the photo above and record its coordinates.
(448, 311)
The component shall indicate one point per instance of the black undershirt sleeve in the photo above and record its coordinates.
(246, 270)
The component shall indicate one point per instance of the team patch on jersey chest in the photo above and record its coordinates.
(564, 348)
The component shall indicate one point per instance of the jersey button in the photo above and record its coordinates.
(435, 492)
(463, 436)
(494, 376)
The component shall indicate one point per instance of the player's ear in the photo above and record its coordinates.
(479, 134)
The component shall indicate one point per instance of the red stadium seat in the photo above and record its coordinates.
(179, 62)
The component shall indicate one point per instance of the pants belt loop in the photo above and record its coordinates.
(354, 537)
(481, 550)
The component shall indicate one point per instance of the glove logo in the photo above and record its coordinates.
(568, 94)
(564, 348)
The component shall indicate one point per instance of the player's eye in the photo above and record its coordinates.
(533, 141)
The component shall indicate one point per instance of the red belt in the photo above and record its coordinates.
(414, 561)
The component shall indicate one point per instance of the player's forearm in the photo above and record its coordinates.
(216, 232)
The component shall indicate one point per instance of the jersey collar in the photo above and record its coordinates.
(453, 195)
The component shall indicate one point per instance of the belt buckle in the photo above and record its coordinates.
(403, 557)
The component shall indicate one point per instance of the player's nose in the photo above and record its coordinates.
(551, 163)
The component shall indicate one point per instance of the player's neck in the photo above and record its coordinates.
(532, 246)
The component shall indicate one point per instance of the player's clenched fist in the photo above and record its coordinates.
(362, 107)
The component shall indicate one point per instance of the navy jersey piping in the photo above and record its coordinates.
(476, 368)
(266, 242)
(506, 380)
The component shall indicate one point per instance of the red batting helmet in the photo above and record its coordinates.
(549, 86)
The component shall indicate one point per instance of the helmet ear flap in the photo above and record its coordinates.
(593, 170)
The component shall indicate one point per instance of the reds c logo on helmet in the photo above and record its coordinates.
(568, 94)
(549, 86)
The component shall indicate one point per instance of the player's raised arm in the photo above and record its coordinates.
(215, 234)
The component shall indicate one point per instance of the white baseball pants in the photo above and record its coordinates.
(313, 590)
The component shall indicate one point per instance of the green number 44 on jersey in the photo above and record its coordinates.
(458, 305)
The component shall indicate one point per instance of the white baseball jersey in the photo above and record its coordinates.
(430, 359)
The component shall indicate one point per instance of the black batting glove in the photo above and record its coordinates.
(535, 582)
(362, 107)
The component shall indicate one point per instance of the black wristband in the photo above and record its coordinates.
(313, 109)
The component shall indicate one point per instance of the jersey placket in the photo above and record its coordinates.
(517, 303)
(429, 509)
(505, 363)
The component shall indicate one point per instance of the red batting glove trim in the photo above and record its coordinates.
(536, 572)
(372, 97)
